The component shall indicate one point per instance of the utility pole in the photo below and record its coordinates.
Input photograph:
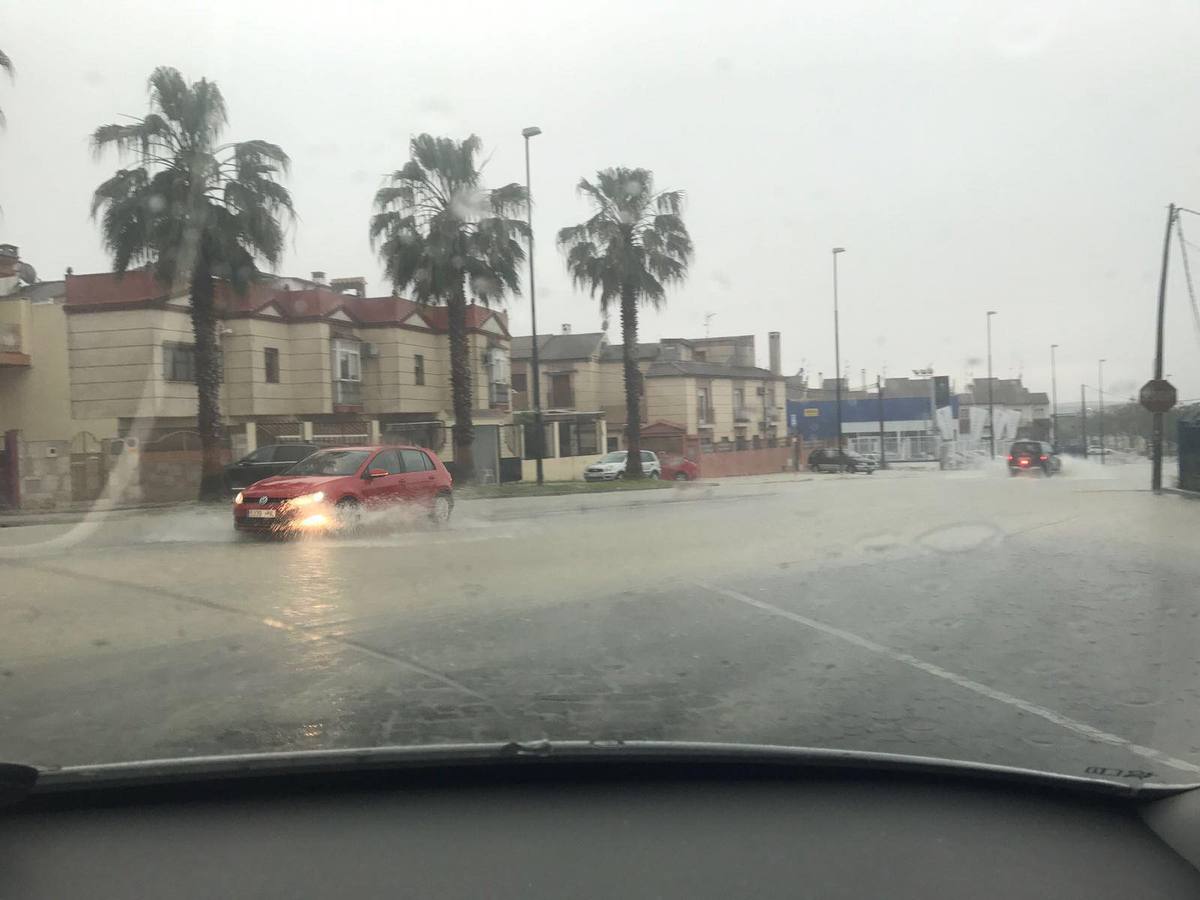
(882, 443)
(538, 427)
(837, 353)
(1157, 445)
(1053, 399)
(1083, 418)
(1100, 393)
(991, 388)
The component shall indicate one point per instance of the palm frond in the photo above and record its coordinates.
(192, 201)
(635, 240)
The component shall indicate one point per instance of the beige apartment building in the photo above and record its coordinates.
(100, 366)
(311, 363)
(698, 395)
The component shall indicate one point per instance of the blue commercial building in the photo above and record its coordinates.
(908, 425)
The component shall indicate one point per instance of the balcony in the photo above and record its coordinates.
(12, 347)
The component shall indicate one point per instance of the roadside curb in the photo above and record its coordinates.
(70, 516)
(1181, 492)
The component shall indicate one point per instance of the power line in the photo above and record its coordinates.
(1187, 273)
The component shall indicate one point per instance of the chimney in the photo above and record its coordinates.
(566, 329)
(773, 346)
(9, 258)
(318, 277)
(356, 285)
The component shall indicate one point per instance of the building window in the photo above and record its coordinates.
(704, 413)
(271, 363)
(519, 382)
(588, 435)
(561, 396)
(179, 362)
(419, 369)
(567, 439)
(347, 373)
(347, 361)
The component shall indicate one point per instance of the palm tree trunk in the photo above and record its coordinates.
(460, 387)
(633, 380)
(208, 382)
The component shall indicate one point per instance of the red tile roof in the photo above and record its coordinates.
(437, 316)
(141, 288)
(108, 287)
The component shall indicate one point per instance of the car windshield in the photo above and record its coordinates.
(822, 268)
(330, 462)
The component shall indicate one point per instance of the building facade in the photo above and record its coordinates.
(697, 394)
(97, 366)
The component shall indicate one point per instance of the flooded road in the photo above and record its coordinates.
(1029, 622)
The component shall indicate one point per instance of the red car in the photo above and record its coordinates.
(678, 468)
(332, 488)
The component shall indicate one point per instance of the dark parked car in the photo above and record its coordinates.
(1033, 456)
(273, 459)
(828, 459)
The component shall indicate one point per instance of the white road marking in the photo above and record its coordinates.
(1081, 728)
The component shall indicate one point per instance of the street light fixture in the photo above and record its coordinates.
(991, 388)
(837, 352)
(1053, 399)
(539, 429)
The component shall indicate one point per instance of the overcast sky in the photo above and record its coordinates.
(1009, 156)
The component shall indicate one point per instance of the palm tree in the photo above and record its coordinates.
(633, 247)
(193, 210)
(7, 66)
(443, 236)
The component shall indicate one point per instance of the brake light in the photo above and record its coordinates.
(1043, 457)
(1010, 457)
(1024, 460)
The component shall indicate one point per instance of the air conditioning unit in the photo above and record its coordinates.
(369, 350)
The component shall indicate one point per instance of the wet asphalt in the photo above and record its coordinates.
(1048, 624)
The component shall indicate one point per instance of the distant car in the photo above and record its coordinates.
(332, 488)
(1033, 456)
(271, 459)
(679, 468)
(825, 459)
(611, 466)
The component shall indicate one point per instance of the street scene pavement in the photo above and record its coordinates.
(1041, 623)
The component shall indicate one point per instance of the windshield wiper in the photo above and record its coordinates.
(740, 758)
(16, 782)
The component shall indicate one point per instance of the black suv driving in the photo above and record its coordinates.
(1028, 456)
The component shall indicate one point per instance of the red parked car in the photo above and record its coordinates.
(678, 468)
(332, 488)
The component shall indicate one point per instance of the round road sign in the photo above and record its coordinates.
(1158, 395)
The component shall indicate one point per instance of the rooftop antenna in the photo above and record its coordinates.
(708, 317)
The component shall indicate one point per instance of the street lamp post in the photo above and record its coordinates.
(539, 429)
(1100, 392)
(991, 388)
(837, 353)
(1053, 399)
